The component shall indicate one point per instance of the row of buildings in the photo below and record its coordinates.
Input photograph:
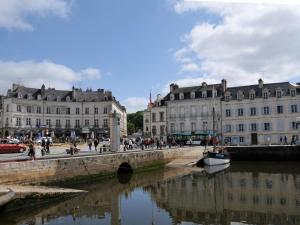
(244, 115)
(63, 113)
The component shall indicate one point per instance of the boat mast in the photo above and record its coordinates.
(214, 112)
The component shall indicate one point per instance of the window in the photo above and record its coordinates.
(48, 110)
(228, 128)
(38, 109)
(39, 97)
(105, 123)
(228, 113)
(241, 127)
(227, 97)
(154, 130)
(252, 111)
(241, 139)
(57, 110)
(294, 108)
(265, 94)
(266, 110)
(87, 111)
(267, 126)
(193, 95)
(193, 126)
(18, 122)
(68, 124)
(86, 123)
(172, 97)
(105, 110)
(77, 123)
(181, 112)
(240, 112)
(57, 123)
(161, 117)
(278, 94)
(96, 122)
(204, 94)
(48, 122)
(294, 125)
(172, 127)
(253, 127)
(19, 108)
(38, 122)
(6, 123)
(293, 93)
(147, 129)
(162, 130)
(240, 95)
(68, 98)
(28, 121)
(252, 95)
(77, 111)
(68, 111)
(181, 127)
(96, 110)
(153, 117)
(279, 109)
(181, 96)
(29, 109)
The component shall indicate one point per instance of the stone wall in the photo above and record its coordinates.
(52, 170)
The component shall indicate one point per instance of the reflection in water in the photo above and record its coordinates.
(251, 194)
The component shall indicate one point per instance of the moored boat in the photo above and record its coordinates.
(216, 158)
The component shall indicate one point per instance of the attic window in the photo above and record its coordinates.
(278, 93)
(181, 96)
(172, 97)
(266, 94)
(293, 92)
(192, 95)
(105, 98)
(68, 98)
(204, 94)
(29, 96)
(240, 95)
(39, 97)
(252, 95)
(20, 95)
(58, 98)
(227, 97)
(48, 98)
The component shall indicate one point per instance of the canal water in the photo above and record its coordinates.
(245, 193)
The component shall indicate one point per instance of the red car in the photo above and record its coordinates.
(8, 146)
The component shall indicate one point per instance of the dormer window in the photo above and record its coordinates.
(58, 99)
(265, 94)
(240, 95)
(252, 95)
(204, 94)
(215, 93)
(193, 95)
(293, 92)
(68, 98)
(278, 93)
(29, 96)
(172, 97)
(39, 97)
(48, 98)
(20, 95)
(227, 96)
(181, 96)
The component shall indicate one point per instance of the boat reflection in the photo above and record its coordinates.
(216, 168)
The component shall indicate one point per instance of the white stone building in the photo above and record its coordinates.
(26, 110)
(261, 113)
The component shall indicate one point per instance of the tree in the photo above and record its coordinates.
(134, 122)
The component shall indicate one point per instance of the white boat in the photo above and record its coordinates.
(216, 169)
(214, 158)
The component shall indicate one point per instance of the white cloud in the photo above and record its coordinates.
(34, 74)
(249, 39)
(14, 13)
(134, 104)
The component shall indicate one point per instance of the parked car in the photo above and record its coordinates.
(8, 146)
(39, 141)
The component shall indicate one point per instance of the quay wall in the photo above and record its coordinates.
(265, 153)
(60, 169)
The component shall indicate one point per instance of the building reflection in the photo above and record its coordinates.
(256, 198)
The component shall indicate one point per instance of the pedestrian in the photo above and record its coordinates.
(31, 152)
(90, 143)
(293, 142)
(280, 139)
(96, 142)
(48, 146)
(285, 140)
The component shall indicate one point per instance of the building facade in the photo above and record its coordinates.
(243, 115)
(26, 110)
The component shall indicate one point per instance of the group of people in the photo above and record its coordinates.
(284, 140)
(94, 141)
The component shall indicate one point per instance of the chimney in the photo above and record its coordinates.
(224, 85)
(260, 83)
(73, 93)
(204, 84)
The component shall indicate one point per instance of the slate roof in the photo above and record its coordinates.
(52, 94)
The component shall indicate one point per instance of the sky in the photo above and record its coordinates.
(132, 47)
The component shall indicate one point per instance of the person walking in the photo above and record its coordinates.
(31, 152)
(280, 139)
(90, 143)
(285, 140)
(48, 146)
(96, 142)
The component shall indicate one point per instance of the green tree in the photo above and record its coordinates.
(134, 122)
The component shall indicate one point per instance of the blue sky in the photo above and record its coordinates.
(134, 46)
